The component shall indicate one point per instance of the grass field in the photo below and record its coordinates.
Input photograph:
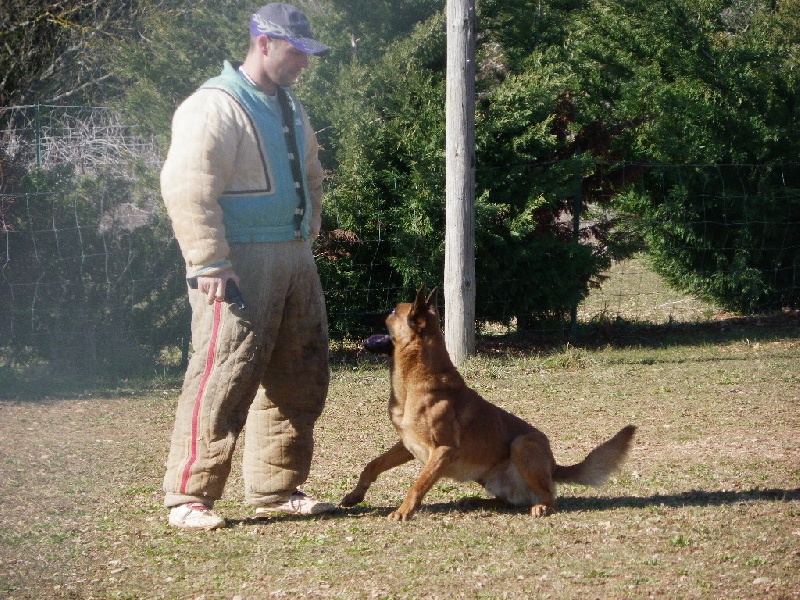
(708, 505)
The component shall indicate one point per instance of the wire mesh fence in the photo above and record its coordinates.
(90, 272)
(89, 138)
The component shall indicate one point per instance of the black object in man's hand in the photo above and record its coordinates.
(232, 292)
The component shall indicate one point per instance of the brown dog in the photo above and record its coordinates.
(455, 433)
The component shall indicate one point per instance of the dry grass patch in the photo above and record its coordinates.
(706, 507)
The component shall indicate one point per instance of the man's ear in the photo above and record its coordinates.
(263, 43)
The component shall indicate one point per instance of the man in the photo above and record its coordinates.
(242, 183)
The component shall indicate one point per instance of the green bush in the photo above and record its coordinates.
(704, 97)
(728, 234)
(388, 194)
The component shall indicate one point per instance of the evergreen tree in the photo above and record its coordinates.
(707, 93)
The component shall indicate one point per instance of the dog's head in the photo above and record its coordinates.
(406, 321)
(411, 320)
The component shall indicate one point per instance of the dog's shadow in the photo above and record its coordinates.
(566, 504)
(570, 504)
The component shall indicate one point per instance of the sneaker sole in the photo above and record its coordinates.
(198, 527)
(268, 512)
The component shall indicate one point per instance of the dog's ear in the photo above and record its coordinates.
(420, 299)
(433, 302)
(416, 317)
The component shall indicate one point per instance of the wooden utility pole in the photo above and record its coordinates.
(459, 254)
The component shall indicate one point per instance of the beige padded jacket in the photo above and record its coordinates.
(216, 151)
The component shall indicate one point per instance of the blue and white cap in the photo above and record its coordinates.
(286, 22)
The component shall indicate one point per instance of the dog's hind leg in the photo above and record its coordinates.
(393, 457)
(533, 458)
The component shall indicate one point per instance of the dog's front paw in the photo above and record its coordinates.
(352, 498)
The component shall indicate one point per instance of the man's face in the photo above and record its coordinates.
(283, 62)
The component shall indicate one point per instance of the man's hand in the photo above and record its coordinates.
(213, 286)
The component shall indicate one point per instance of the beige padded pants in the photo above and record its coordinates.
(264, 369)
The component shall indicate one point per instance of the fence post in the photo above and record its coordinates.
(459, 246)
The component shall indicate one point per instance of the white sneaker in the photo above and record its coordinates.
(299, 503)
(195, 515)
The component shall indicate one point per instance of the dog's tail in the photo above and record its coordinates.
(600, 463)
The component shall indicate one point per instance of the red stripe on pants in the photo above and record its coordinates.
(212, 346)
